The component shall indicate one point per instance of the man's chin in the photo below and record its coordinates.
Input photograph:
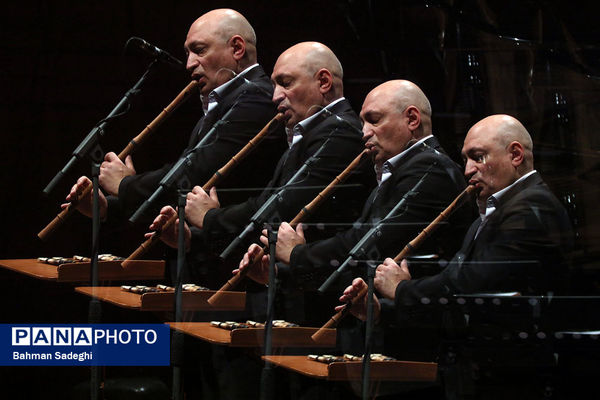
(483, 196)
(290, 122)
(377, 161)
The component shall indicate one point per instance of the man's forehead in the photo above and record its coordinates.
(368, 108)
(285, 69)
(195, 41)
(476, 140)
(202, 29)
(280, 73)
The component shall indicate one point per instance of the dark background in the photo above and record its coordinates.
(64, 66)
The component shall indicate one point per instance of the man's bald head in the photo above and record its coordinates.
(307, 77)
(313, 56)
(219, 45)
(504, 129)
(224, 23)
(497, 151)
(394, 114)
(403, 94)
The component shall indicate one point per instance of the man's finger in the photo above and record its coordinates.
(264, 240)
(300, 231)
(213, 194)
(129, 162)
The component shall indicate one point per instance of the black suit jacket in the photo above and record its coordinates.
(523, 246)
(345, 143)
(250, 99)
(313, 262)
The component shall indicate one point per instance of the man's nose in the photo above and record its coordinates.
(367, 132)
(277, 95)
(469, 169)
(192, 62)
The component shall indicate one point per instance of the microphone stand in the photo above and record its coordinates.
(94, 310)
(177, 171)
(88, 144)
(269, 207)
(361, 249)
(267, 391)
(177, 339)
(366, 362)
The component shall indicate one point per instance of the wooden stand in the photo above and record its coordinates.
(80, 271)
(163, 301)
(401, 371)
(254, 337)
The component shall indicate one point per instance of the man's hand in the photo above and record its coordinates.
(113, 170)
(258, 272)
(359, 308)
(287, 239)
(169, 234)
(84, 205)
(198, 204)
(388, 275)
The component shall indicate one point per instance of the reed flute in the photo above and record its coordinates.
(459, 201)
(235, 280)
(221, 173)
(129, 149)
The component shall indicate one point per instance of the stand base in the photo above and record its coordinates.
(254, 337)
(401, 371)
(80, 271)
(163, 301)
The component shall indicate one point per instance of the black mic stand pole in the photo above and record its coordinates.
(177, 339)
(366, 362)
(90, 141)
(177, 171)
(94, 311)
(267, 381)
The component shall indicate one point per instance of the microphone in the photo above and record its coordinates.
(154, 51)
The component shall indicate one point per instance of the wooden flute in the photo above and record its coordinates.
(129, 149)
(235, 280)
(220, 174)
(460, 200)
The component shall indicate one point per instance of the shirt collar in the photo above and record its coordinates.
(386, 169)
(295, 134)
(492, 202)
(210, 102)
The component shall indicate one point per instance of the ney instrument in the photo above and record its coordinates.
(221, 173)
(235, 280)
(460, 200)
(129, 149)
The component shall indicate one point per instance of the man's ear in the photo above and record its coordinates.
(238, 46)
(325, 80)
(414, 117)
(517, 153)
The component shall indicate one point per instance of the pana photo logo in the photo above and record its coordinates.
(94, 344)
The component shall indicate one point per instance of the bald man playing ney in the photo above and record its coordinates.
(308, 82)
(520, 243)
(522, 238)
(397, 132)
(222, 57)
